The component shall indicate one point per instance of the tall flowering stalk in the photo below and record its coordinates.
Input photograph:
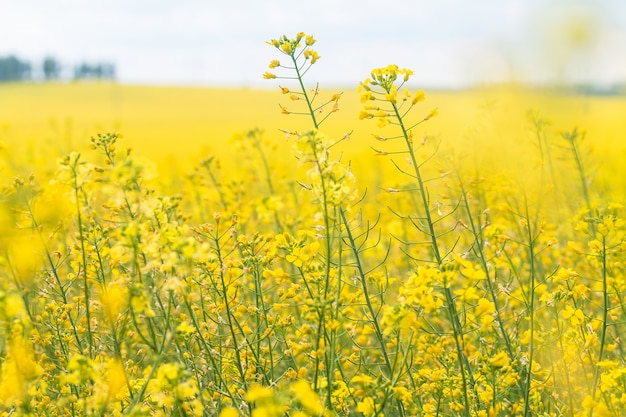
(386, 99)
(327, 178)
(331, 183)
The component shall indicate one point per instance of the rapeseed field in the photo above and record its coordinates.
(374, 251)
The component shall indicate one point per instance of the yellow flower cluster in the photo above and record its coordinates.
(379, 95)
(294, 49)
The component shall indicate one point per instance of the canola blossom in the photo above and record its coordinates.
(428, 278)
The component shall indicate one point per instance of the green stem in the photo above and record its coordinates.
(309, 103)
(454, 317)
(229, 318)
(86, 290)
(605, 313)
(370, 307)
(322, 314)
(531, 301)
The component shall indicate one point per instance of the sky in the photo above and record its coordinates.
(448, 43)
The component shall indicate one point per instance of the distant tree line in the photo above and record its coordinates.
(13, 68)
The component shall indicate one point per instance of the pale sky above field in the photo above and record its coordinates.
(448, 43)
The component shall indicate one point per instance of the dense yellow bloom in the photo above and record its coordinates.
(309, 289)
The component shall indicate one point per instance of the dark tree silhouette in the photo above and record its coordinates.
(51, 68)
(13, 69)
(94, 71)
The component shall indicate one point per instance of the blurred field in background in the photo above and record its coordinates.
(174, 126)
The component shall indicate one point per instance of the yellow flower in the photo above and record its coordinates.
(116, 378)
(484, 307)
(268, 75)
(432, 113)
(407, 73)
(22, 252)
(381, 113)
(366, 407)
(486, 321)
(313, 55)
(391, 96)
(258, 392)
(365, 115)
(362, 379)
(564, 274)
(229, 412)
(275, 63)
(588, 402)
(406, 94)
(573, 246)
(467, 294)
(114, 300)
(366, 96)
(308, 398)
(595, 245)
(576, 317)
(500, 360)
(287, 48)
(11, 306)
(19, 371)
(186, 390)
(364, 85)
(168, 372)
(185, 328)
